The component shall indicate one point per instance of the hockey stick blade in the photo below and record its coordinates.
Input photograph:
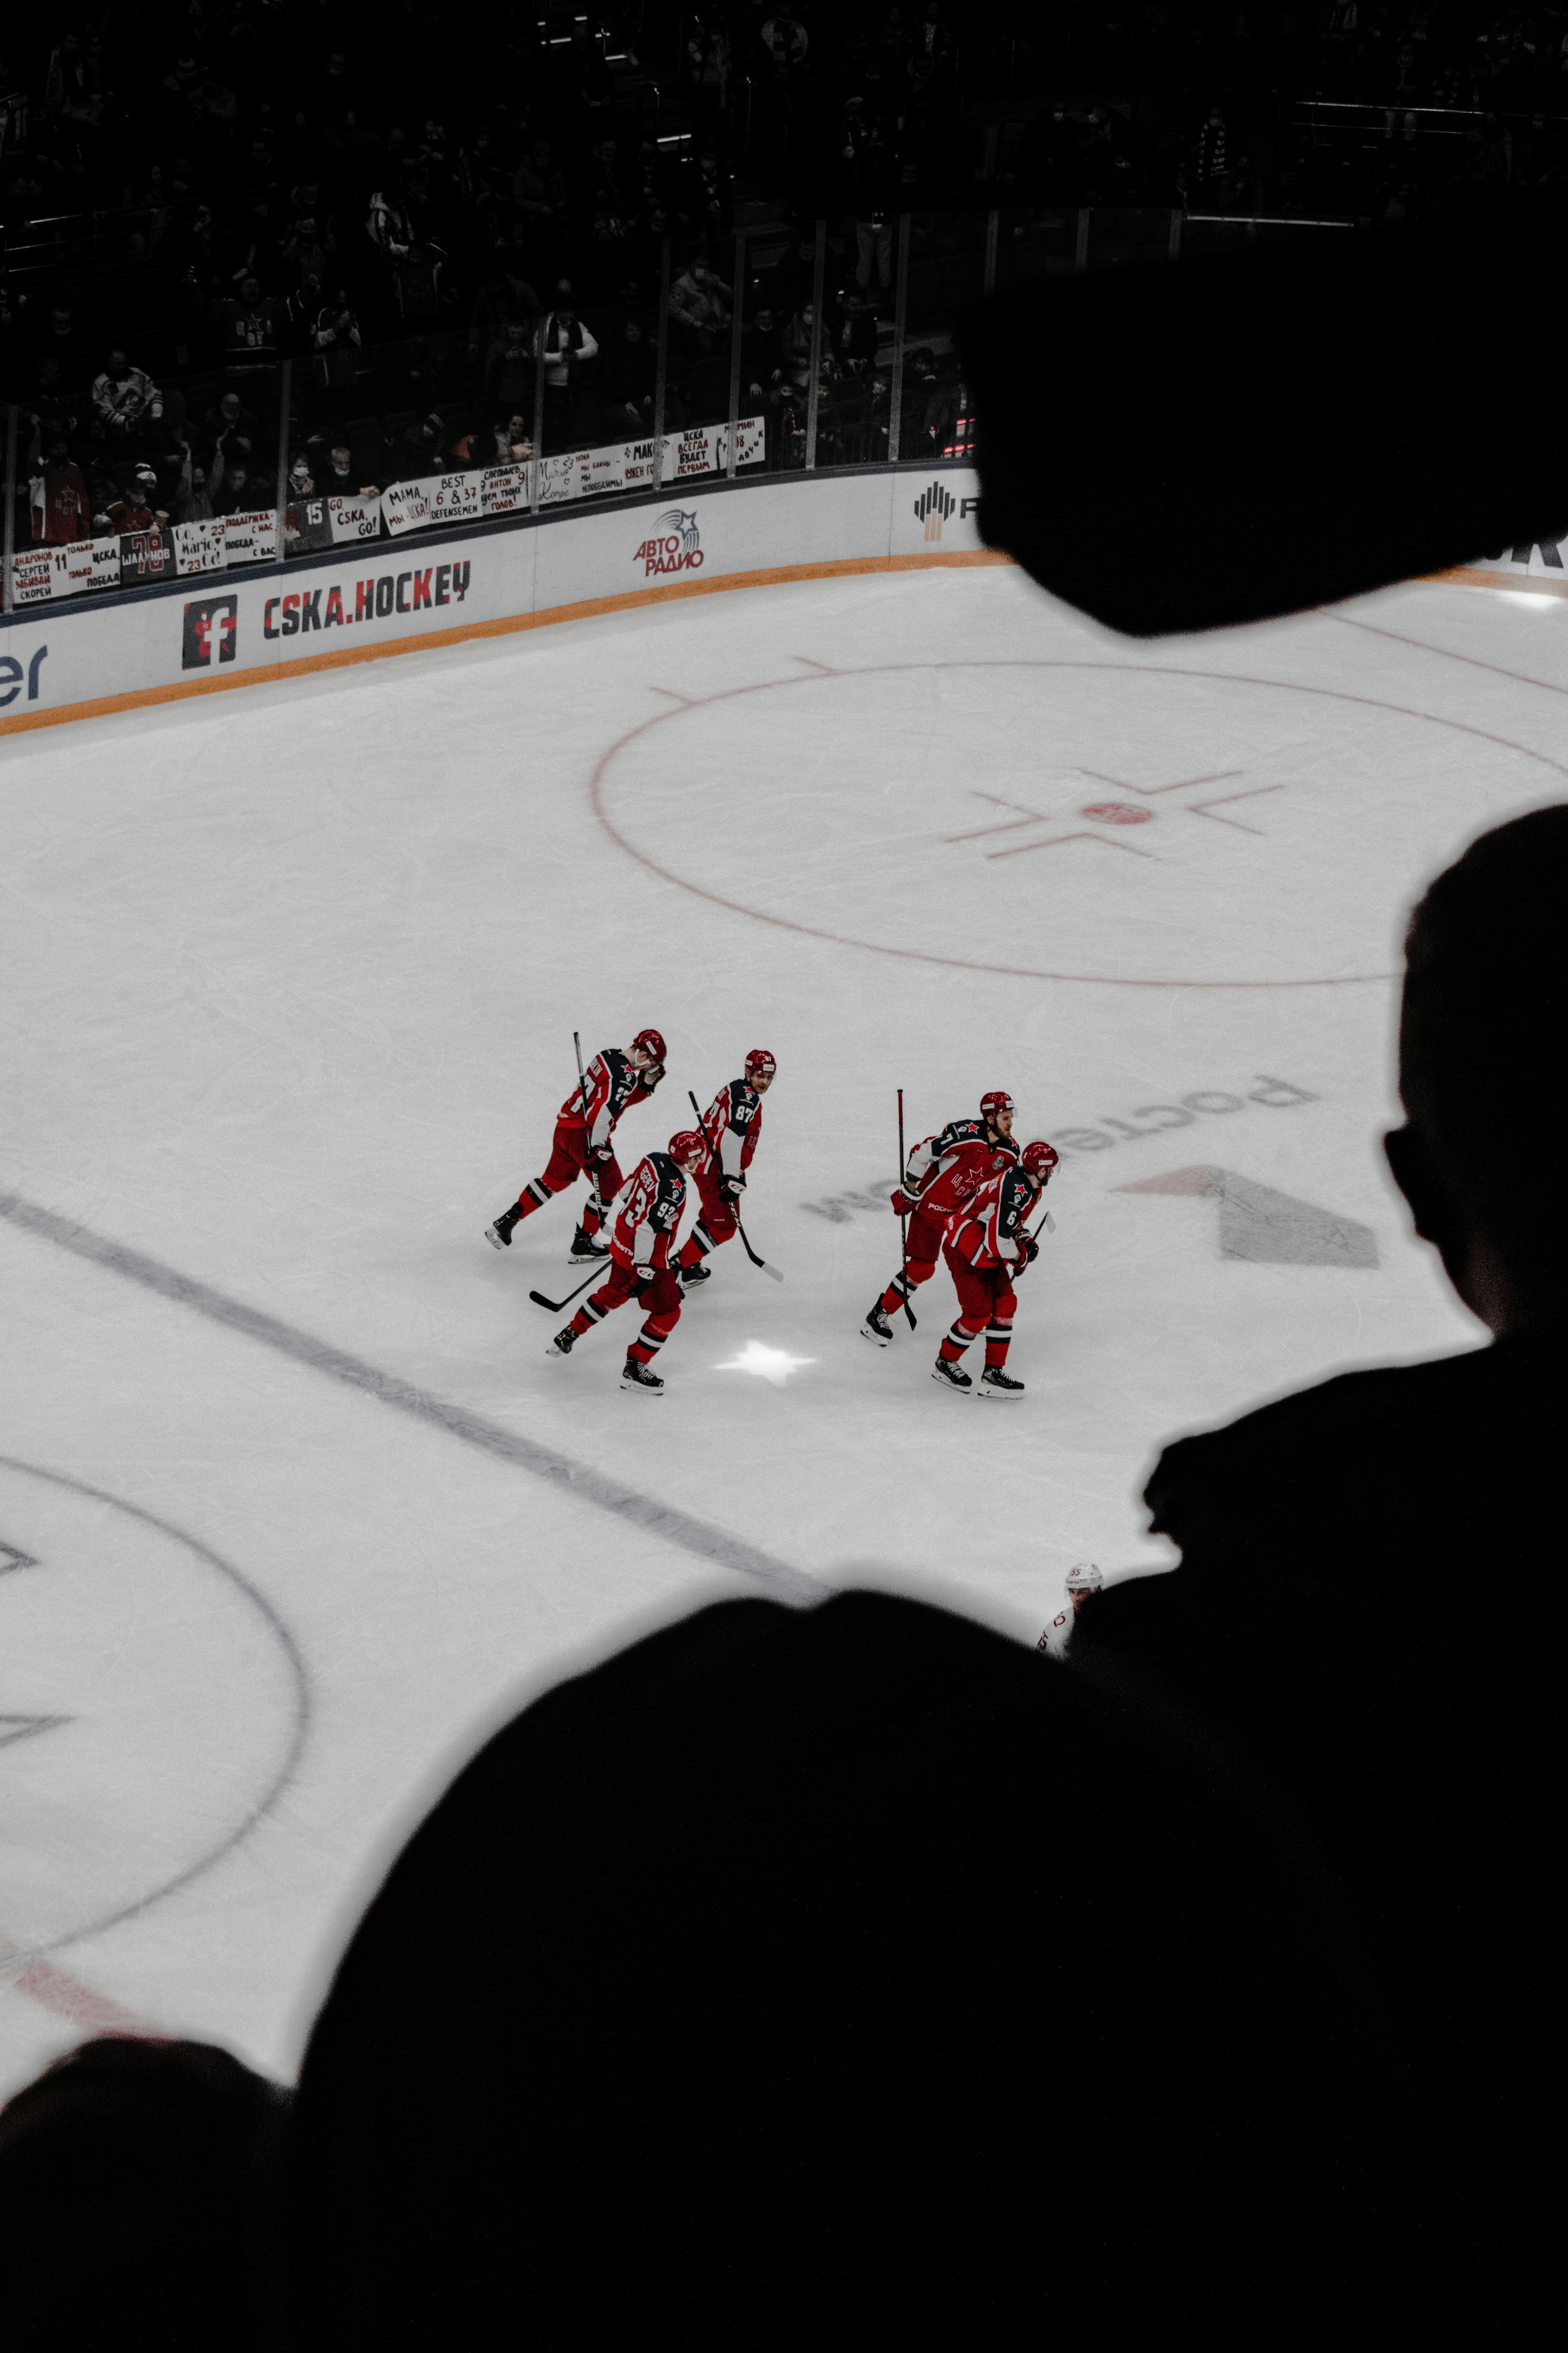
(555, 1305)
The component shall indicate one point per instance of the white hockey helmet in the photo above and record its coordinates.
(1085, 1578)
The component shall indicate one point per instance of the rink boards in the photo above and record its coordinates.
(354, 604)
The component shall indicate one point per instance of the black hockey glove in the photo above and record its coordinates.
(645, 1273)
(651, 1077)
(599, 1156)
(1028, 1249)
(732, 1187)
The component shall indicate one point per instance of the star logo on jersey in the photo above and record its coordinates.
(1049, 828)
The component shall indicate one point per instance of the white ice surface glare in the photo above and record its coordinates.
(293, 976)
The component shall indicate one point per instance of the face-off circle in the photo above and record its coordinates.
(153, 1707)
(1131, 824)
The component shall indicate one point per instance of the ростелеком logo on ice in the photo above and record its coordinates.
(674, 544)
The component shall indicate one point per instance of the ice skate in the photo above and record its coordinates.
(692, 1276)
(995, 1383)
(949, 1377)
(499, 1236)
(877, 1328)
(637, 1376)
(561, 1344)
(587, 1249)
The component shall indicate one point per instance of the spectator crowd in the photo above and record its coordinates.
(460, 252)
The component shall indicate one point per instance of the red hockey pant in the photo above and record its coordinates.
(568, 1161)
(922, 1247)
(661, 1298)
(987, 1303)
(716, 1223)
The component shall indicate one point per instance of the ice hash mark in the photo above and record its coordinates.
(1267, 1227)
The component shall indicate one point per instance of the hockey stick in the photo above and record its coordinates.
(740, 1229)
(555, 1305)
(903, 1230)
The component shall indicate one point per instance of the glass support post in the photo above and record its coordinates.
(7, 576)
(818, 267)
(901, 307)
(283, 375)
(738, 290)
(536, 470)
(663, 362)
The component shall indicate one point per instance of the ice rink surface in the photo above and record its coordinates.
(292, 1504)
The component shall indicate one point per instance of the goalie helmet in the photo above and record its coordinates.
(759, 1058)
(1085, 1578)
(649, 1042)
(686, 1144)
(997, 1100)
(1040, 1158)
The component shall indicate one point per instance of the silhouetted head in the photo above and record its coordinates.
(778, 1979)
(136, 2188)
(1480, 1054)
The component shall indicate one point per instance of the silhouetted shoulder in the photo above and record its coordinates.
(1408, 1454)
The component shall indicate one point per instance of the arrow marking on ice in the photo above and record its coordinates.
(1257, 1223)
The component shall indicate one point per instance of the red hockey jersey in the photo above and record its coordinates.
(612, 1087)
(944, 1169)
(990, 1230)
(733, 1123)
(650, 1211)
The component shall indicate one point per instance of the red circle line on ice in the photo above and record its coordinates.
(814, 672)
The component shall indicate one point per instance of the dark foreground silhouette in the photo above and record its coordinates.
(851, 1975)
(136, 2202)
(1370, 1597)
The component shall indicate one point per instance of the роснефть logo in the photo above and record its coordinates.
(932, 508)
(212, 631)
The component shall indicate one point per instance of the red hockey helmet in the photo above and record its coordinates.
(997, 1100)
(649, 1042)
(759, 1058)
(1040, 1158)
(686, 1144)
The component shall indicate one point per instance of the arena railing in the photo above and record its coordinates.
(794, 348)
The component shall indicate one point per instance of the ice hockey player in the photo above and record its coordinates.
(731, 1123)
(989, 1245)
(613, 1082)
(639, 1260)
(941, 1172)
(1081, 1582)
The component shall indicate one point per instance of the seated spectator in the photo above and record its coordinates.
(60, 509)
(193, 499)
(340, 476)
(794, 346)
(421, 448)
(1336, 1546)
(232, 429)
(237, 493)
(131, 511)
(628, 376)
(699, 302)
(567, 349)
(253, 326)
(778, 1904)
(63, 342)
(136, 2201)
(334, 338)
(126, 399)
